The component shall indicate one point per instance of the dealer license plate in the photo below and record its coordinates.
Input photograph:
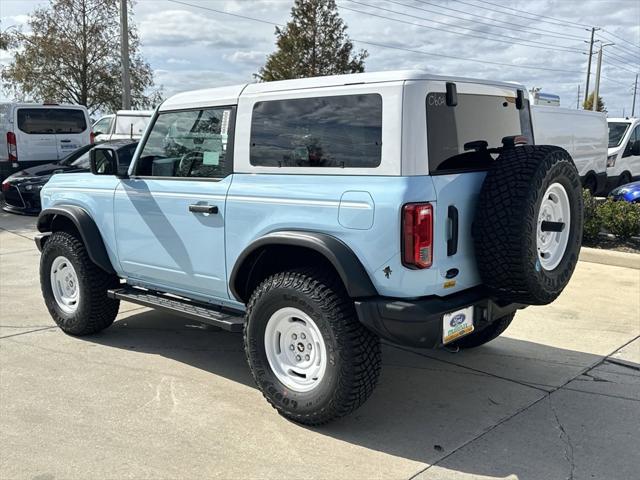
(457, 324)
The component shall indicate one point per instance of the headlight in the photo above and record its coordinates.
(611, 160)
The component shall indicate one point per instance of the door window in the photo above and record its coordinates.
(103, 126)
(43, 121)
(189, 144)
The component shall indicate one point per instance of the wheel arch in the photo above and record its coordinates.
(302, 248)
(72, 219)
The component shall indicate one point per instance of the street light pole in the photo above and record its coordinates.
(124, 56)
(596, 93)
(635, 89)
(586, 90)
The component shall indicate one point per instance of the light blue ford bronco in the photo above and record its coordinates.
(319, 216)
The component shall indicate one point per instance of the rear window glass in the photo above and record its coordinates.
(616, 133)
(51, 120)
(132, 125)
(338, 131)
(476, 118)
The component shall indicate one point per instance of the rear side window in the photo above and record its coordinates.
(475, 118)
(44, 121)
(339, 131)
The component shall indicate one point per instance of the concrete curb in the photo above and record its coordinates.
(610, 257)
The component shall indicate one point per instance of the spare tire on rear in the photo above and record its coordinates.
(528, 225)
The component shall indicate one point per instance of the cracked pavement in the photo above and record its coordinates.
(156, 396)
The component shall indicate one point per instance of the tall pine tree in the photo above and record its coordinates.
(313, 43)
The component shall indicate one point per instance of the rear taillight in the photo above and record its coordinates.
(92, 138)
(12, 147)
(417, 235)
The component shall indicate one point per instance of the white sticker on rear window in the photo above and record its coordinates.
(211, 158)
(224, 127)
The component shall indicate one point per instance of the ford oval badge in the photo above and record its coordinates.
(457, 320)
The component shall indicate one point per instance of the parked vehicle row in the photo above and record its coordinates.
(21, 190)
(33, 134)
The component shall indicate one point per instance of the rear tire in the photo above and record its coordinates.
(485, 335)
(308, 353)
(519, 258)
(74, 288)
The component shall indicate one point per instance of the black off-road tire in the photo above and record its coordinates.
(95, 311)
(491, 332)
(353, 352)
(505, 225)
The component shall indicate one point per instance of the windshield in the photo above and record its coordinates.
(478, 122)
(616, 133)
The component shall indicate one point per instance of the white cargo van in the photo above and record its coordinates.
(582, 133)
(623, 163)
(124, 124)
(32, 133)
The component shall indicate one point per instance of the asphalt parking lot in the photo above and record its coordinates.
(155, 396)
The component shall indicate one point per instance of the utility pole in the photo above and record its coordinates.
(586, 90)
(594, 105)
(578, 99)
(635, 89)
(124, 56)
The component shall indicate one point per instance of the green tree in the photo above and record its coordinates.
(588, 103)
(72, 54)
(313, 43)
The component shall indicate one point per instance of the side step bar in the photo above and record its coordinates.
(230, 320)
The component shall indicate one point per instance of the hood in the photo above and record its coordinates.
(42, 172)
(613, 150)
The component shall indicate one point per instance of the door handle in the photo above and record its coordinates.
(197, 208)
(65, 141)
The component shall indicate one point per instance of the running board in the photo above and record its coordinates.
(230, 320)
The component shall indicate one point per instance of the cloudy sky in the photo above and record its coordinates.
(191, 44)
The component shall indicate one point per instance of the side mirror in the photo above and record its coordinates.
(104, 161)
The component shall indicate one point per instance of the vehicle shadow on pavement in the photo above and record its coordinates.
(430, 404)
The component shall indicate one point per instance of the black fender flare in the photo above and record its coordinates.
(353, 275)
(86, 226)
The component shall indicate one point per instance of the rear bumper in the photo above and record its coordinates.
(418, 322)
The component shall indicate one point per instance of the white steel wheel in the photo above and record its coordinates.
(295, 349)
(64, 284)
(554, 222)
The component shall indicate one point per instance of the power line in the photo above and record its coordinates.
(620, 38)
(556, 21)
(623, 49)
(224, 13)
(421, 52)
(544, 46)
(519, 26)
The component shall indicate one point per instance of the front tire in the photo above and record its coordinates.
(74, 288)
(308, 353)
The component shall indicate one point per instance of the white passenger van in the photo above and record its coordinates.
(125, 124)
(623, 163)
(582, 133)
(32, 133)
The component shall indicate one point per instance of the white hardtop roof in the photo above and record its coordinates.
(135, 113)
(229, 95)
(43, 105)
(622, 120)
